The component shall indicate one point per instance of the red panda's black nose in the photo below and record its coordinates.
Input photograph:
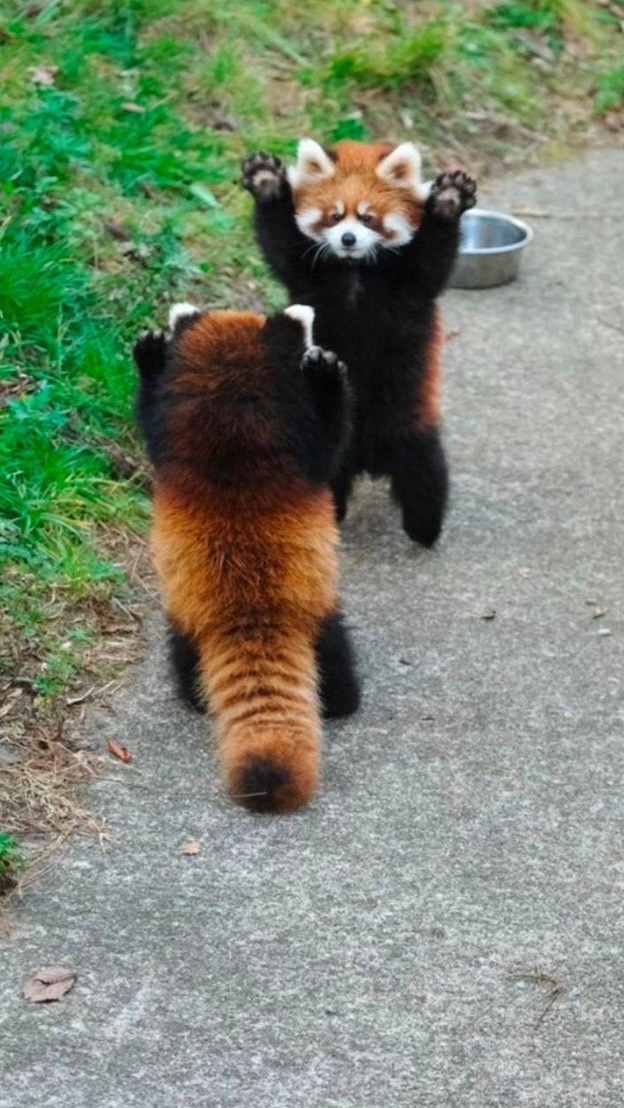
(348, 239)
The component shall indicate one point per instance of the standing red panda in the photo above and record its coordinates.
(246, 424)
(351, 231)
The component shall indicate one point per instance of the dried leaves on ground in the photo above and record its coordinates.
(49, 983)
(118, 751)
(190, 846)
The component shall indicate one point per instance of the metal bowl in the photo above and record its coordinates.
(490, 249)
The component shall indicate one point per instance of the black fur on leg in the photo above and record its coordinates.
(150, 355)
(184, 657)
(314, 396)
(339, 687)
(341, 489)
(149, 352)
(420, 485)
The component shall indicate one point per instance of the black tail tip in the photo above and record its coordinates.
(261, 785)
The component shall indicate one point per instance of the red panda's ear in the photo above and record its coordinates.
(402, 167)
(313, 164)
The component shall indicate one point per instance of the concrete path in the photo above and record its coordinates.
(444, 926)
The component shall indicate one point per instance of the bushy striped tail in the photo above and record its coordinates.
(262, 688)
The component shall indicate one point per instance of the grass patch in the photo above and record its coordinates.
(11, 860)
(123, 123)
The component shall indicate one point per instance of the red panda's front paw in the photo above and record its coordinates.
(319, 363)
(150, 350)
(264, 176)
(453, 193)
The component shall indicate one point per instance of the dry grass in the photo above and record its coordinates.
(38, 786)
(44, 765)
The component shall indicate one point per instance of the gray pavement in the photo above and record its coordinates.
(444, 925)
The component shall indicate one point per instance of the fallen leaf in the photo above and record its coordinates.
(118, 751)
(43, 74)
(190, 846)
(489, 615)
(49, 983)
(130, 107)
(598, 610)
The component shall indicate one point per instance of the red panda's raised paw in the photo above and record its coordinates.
(149, 351)
(264, 176)
(452, 193)
(317, 362)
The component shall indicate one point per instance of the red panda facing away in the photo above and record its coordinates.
(246, 424)
(351, 231)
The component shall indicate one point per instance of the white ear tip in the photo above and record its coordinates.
(179, 311)
(308, 145)
(313, 163)
(402, 166)
(304, 315)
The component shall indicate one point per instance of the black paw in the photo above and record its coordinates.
(149, 351)
(317, 363)
(264, 176)
(453, 193)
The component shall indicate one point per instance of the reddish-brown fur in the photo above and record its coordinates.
(428, 398)
(248, 568)
(355, 179)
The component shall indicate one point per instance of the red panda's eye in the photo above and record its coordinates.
(366, 217)
(336, 216)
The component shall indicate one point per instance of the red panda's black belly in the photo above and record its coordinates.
(383, 339)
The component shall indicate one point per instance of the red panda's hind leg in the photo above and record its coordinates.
(338, 682)
(419, 483)
(184, 657)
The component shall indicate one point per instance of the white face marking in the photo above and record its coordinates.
(363, 207)
(179, 311)
(304, 315)
(307, 220)
(365, 239)
(340, 207)
(402, 230)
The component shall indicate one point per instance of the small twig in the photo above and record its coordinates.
(533, 213)
(79, 699)
(538, 977)
(556, 991)
(23, 682)
(608, 323)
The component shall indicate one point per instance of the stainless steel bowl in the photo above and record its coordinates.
(490, 249)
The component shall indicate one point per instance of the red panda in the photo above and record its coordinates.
(245, 422)
(352, 231)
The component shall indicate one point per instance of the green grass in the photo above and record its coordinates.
(11, 859)
(118, 194)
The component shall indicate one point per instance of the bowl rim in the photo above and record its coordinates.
(527, 233)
